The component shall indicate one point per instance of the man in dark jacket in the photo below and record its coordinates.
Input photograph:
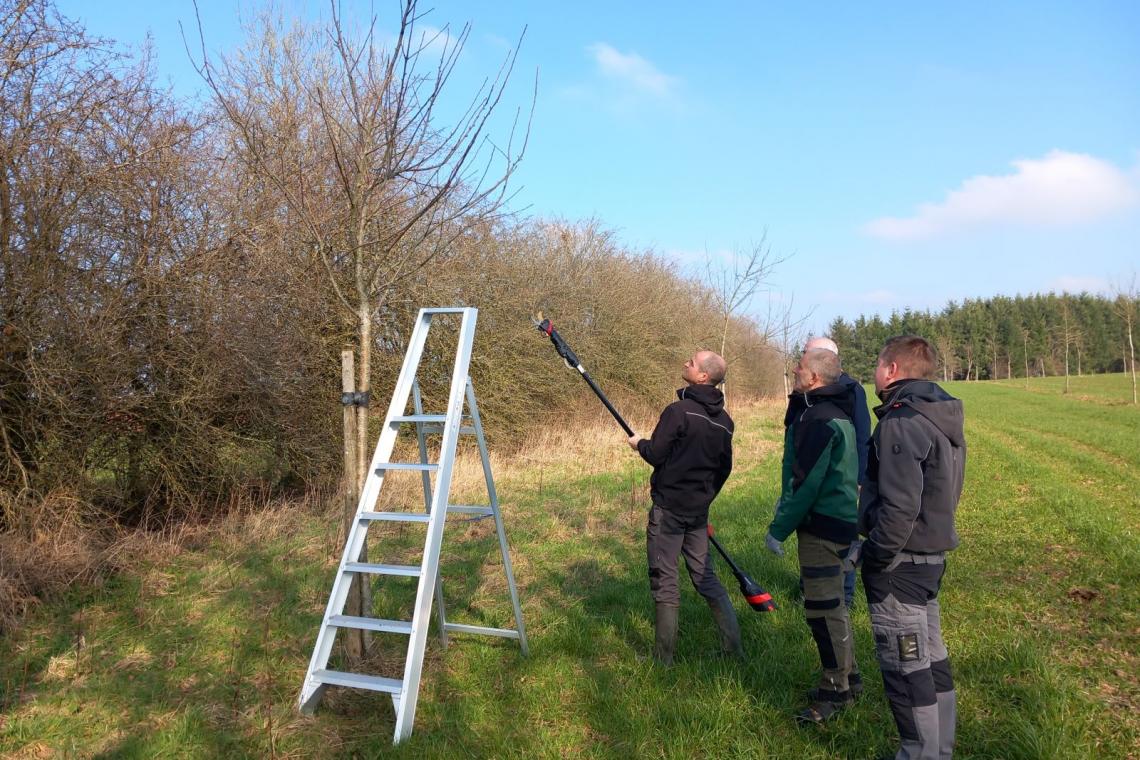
(906, 511)
(691, 454)
(861, 418)
(818, 500)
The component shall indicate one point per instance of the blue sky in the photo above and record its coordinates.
(903, 154)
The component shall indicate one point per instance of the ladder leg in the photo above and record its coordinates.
(418, 403)
(413, 668)
(494, 500)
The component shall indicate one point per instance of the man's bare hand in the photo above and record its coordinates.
(633, 440)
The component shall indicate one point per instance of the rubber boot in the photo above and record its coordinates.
(665, 640)
(725, 616)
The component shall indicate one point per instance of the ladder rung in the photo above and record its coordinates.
(470, 510)
(434, 428)
(371, 624)
(445, 310)
(509, 633)
(359, 681)
(420, 517)
(407, 466)
(364, 567)
(418, 418)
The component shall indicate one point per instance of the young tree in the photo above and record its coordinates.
(1126, 304)
(735, 284)
(343, 132)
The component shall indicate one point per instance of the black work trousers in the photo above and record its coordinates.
(669, 535)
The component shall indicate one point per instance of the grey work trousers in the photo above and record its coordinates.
(905, 619)
(669, 535)
(821, 573)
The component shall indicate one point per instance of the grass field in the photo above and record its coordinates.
(203, 652)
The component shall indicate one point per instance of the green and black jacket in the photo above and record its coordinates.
(819, 488)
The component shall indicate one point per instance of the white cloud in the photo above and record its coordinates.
(631, 69)
(1068, 283)
(1060, 189)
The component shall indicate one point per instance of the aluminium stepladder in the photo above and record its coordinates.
(405, 692)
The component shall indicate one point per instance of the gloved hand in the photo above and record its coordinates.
(854, 555)
(773, 545)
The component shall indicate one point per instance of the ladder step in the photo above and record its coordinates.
(508, 633)
(436, 428)
(418, 418)
(371, 624)
(420, 517)
(470, 510)
(406, 466)
(412, 571)
(359, 681)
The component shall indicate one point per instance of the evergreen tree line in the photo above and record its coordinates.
(1003, 337)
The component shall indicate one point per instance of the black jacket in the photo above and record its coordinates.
(915, 471)
(818, 478)
(861, 418)
(691, 451)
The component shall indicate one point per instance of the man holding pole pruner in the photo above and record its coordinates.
(691, 454)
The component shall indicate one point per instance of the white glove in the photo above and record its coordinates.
(773, 545)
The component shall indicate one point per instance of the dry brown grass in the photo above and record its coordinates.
(38, 564)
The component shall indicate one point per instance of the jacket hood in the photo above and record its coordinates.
(839, 393)
(708, 396)
(933, 403)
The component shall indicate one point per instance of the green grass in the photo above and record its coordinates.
(202, 653)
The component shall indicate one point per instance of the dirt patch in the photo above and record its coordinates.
(1083, 594)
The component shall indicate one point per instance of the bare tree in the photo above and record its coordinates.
(790, 333)
(344, 131)
(735, 283)
(1068, 332)
(1126, 304)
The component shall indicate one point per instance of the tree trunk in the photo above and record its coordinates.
(363, 384)
(1066, 367)
(1132, 353)
(353, 639)
(1025, 347)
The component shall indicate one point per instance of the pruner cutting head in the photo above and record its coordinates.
(546, 327)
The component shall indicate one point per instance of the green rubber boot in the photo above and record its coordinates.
(725, 616)
(665, 640)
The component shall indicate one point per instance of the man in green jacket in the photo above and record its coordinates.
(819, 501)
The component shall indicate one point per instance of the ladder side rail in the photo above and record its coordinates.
(400, 393)
(413, 667)
(354, 541)
(493, 495)
(418, 406)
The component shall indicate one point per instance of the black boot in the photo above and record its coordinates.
(666, 636)
(725, 617)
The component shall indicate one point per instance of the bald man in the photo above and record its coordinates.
(691, 454)
(861, 418)
(818, 503)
